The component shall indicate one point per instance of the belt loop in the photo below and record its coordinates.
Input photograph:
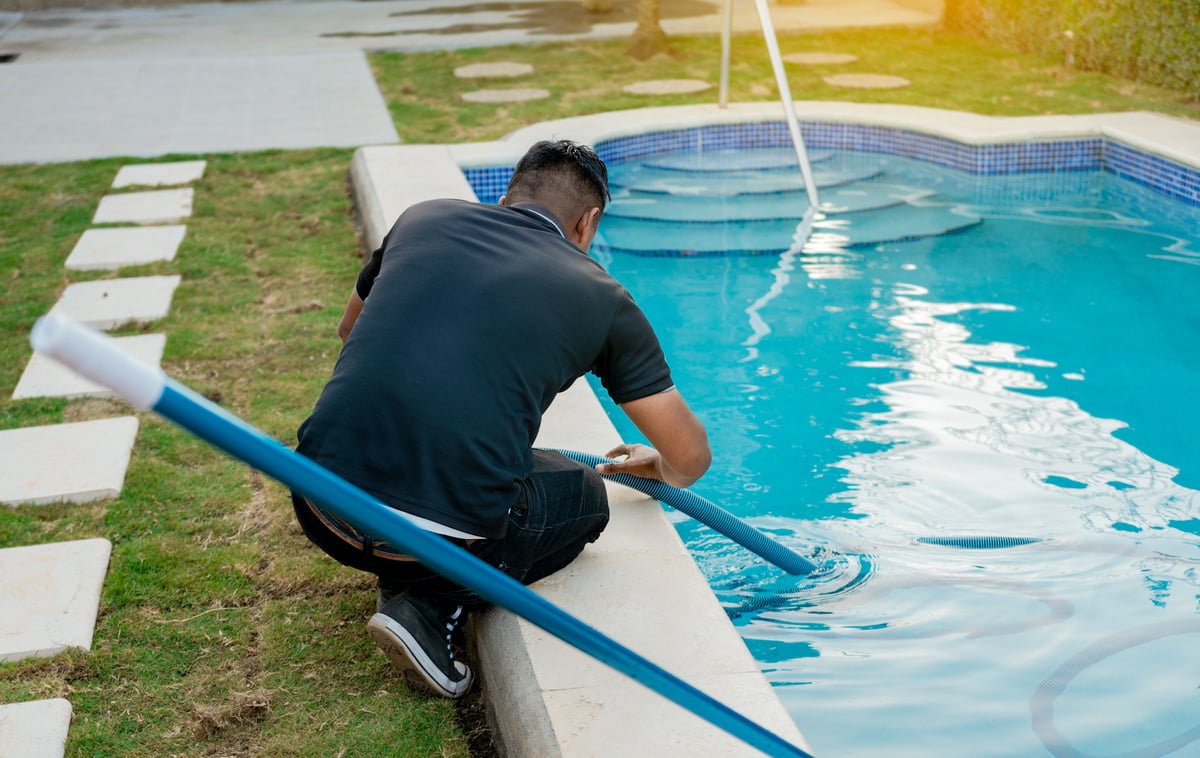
(368, 546)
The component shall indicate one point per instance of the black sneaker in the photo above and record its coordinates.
(415, 634)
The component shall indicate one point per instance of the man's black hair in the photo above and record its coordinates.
(589, 174)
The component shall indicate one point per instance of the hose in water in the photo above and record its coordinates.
(709, 514)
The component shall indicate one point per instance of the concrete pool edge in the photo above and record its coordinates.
(548, 699)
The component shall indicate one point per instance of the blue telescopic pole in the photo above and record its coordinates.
(95, 356)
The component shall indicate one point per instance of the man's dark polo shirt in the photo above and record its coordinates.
(474, 318)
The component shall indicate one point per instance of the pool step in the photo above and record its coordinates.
(774, 236)
(641, 178)
(848, 198)
(765, 159)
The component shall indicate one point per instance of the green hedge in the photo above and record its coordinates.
(1153, 41)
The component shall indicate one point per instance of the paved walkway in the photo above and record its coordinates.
(50, 593)
(218, 77)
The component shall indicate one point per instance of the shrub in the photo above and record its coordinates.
(1153, 41)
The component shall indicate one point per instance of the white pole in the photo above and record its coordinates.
(726, 36)
(785, 94)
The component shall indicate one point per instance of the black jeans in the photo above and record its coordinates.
(562, 507)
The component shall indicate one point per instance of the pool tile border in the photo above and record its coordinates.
(1087, 154)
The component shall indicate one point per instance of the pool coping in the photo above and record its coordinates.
(545, 698)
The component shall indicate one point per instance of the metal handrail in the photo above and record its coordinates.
(785, 92)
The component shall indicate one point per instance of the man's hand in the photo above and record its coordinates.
(643, 461)
(639, 460)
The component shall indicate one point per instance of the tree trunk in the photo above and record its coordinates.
(648, 38)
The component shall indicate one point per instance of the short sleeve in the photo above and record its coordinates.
(366, 277)
(632, 365)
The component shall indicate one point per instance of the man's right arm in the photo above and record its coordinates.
(350, 315)
(363, 285)
(679, 454)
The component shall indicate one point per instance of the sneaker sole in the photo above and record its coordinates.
(407, 656)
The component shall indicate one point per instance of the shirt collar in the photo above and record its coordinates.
(542, 213)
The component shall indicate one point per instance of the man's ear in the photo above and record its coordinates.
(585, 229)
(503, 200)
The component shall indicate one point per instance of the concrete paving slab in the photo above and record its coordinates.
(159, 174)
(505, 95)
(49, 595)
(818, 59)
(140, 107)
(153, 207)
(497, 70)
(46, 377)
(114, 248)
(866, 81)
(109, 303)
(34, 729)
(65, 463)
(667, 87)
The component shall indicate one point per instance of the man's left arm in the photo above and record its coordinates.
(679, 454)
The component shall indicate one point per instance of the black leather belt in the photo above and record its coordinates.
(352, 536)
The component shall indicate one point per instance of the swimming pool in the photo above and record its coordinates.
(1018, 369)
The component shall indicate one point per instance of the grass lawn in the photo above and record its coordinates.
(945, 71)
(221, 631)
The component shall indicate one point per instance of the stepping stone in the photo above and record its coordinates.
(154, 207)
(109, 303)
(46, 377)
(49, 595)
(866, 81)
(35, 729)
(500, 70)
(667, 87)
(125, 246)
(159, 174)
(65, 463)
(504, 95)
(818, 59)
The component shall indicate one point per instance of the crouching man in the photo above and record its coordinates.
(460, 331)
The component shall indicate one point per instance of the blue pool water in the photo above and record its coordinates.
(948, 355)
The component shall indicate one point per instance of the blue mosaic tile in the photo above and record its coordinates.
(489, 183)
(1151, 171)
(1087, 154)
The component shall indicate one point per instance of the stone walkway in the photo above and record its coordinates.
(656, 87)
(50, 593)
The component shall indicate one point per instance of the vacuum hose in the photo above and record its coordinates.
(708, 514)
